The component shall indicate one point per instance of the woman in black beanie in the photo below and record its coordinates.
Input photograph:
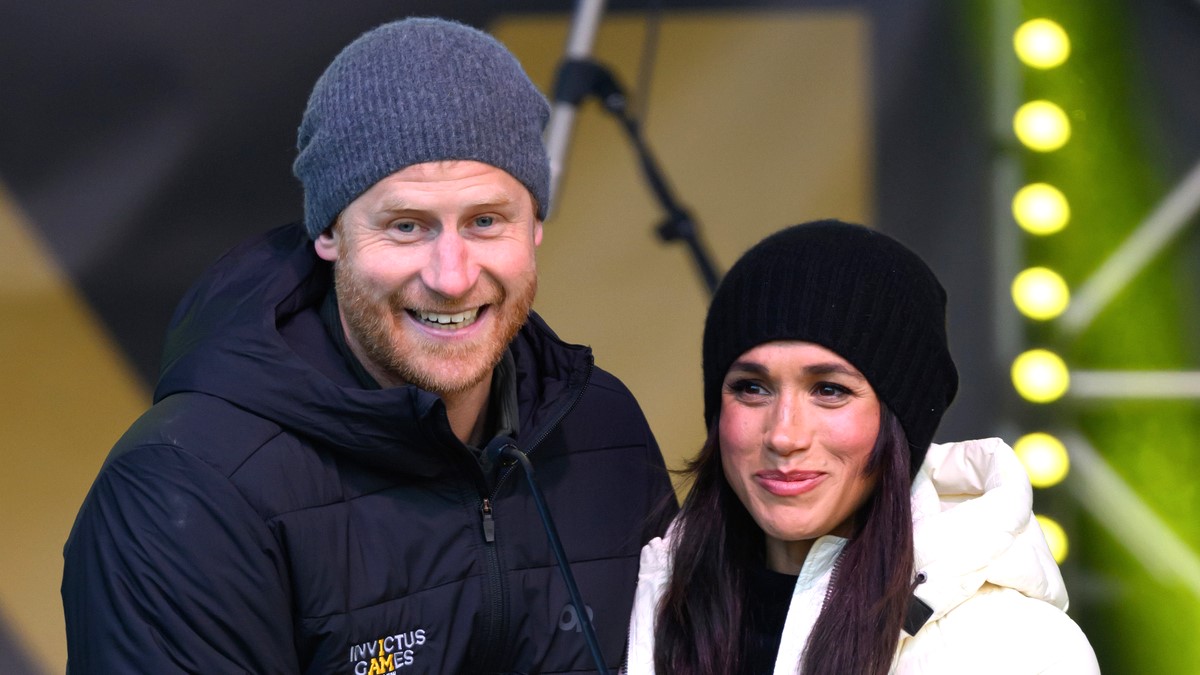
(823, 533)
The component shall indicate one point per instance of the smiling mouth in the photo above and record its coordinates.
(789, 483)
(789, 476)
(451, 321)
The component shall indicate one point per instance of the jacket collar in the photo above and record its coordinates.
(973, 524)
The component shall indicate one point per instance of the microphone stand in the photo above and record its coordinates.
(579, 78)
(580, 39)
(505, 448)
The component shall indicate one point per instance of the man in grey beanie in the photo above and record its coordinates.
(309, 491)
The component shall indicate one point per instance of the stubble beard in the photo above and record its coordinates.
(376, 324)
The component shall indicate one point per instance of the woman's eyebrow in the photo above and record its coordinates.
(749, 367)
(833, 368)
(830, 368)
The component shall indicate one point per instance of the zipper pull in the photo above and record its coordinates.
(489, 525)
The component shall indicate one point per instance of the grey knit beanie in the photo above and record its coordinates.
(412, 91)
(854, 291)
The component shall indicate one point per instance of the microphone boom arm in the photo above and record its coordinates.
(578, 78)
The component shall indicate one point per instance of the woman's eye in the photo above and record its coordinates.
(830, 390)
(747, 388)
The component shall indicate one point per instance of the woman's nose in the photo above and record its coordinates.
(790, 430)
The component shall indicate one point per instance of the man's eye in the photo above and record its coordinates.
(485, 221)
(405, 226)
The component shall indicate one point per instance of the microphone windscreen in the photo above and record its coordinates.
(499, 449)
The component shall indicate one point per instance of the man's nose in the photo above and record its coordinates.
(451, 271)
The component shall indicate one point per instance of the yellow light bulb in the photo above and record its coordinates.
(1042, 44)
(1040, 376)
(1041, 209)
(1042, 126)
(1044, 457)
(1056, 537)
(1040, 293)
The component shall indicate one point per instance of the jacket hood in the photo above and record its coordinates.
(973, 524)
(249, 332)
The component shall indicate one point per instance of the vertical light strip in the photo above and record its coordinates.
(1007, 249)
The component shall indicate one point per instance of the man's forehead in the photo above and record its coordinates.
(473, 179)
(447, 169)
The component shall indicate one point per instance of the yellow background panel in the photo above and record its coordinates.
(68, 395)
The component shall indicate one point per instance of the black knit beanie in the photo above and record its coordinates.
(854, 291)
(413, 91)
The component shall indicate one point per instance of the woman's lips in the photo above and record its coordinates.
(789, 483)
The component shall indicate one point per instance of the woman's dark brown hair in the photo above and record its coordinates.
(698, 627)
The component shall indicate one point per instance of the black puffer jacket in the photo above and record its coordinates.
(267, 515)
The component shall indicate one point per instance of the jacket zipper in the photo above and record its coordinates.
(833, 578)
(489, 525)
(496, 623)
(496, 620)
(624, 669)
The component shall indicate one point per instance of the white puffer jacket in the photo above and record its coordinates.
(997, 596)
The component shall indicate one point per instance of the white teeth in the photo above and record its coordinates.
(459, 320)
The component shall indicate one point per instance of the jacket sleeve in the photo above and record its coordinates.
(999, 631)
(169, 569)
(1073, 656)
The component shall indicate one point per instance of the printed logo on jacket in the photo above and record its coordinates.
(387, 654)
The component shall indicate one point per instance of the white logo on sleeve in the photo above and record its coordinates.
(568, 618)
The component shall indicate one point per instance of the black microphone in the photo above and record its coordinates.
(504, 448)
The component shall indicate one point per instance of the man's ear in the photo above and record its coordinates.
(537, 233)
(326, 244)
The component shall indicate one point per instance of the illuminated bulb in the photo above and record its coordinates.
(1040, 293)
(1041, 209)
(1042, 126)
(1044, 457)
(1040, 376)
(1041, 43)
(1056, 537)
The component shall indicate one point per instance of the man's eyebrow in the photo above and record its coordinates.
(398, 205)
(495, 199)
